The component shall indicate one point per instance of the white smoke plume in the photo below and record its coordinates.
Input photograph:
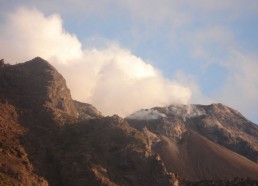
(185, 111)
(112, 79)
(147, 114)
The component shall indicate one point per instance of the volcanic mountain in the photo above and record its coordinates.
(201, 142)
(47, 138)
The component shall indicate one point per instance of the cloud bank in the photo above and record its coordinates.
(112, 79)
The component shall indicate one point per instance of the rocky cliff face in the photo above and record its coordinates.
(37, 86)
(47, 138)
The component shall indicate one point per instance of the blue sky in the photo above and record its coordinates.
(205, 50)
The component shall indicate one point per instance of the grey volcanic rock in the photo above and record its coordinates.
(86, 110)
(186, 137)
(230, 129)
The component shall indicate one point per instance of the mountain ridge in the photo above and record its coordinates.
(47, 138)
(215, 126)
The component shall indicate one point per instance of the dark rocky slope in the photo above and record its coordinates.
(15, 165)
(49, 139)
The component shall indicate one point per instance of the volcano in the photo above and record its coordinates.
(47, 138)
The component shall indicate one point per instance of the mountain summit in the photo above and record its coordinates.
(47, 138)
(201, 141)
(37, 86)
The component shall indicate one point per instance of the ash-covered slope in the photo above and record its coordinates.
(46, 138)
(201, 142)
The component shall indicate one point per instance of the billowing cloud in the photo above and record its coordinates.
(28, 33)
(112, 79)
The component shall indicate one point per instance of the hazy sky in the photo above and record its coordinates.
(123, 55)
